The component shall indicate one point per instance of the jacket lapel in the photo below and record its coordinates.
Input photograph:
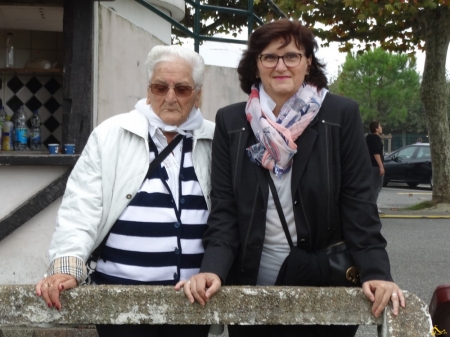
(305, 144)
(250, 139)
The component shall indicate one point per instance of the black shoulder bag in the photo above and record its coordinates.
(91, 263)
(333, 266)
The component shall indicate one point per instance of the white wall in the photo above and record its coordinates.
(221, 88)
(145, 18)
(19, 183)
(121, 78)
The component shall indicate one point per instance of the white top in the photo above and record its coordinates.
(276, 247)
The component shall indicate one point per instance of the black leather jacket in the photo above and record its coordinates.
(331, 189)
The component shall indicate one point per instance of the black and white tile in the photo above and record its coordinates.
(42, 93)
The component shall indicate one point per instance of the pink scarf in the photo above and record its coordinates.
(276, 140)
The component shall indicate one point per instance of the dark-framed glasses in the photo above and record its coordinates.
(162, 89)
(271, 60)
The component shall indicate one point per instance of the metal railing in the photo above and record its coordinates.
(195, 34)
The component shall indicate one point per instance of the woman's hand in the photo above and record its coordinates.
(50, 287)
(200, 287)
(380, 292)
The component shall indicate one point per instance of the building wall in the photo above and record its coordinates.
(146, 19)
(120, 80)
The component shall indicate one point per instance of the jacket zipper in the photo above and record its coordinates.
(250, 226)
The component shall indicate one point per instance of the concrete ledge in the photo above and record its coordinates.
(19, 306)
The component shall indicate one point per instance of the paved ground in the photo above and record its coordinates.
(417, 242)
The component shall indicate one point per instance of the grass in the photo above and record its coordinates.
(420, 206)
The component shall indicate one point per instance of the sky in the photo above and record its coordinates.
(228, 55)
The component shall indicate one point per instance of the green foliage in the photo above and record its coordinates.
(386, 86)
(398, 25)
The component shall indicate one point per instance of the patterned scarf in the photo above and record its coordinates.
(276, 140)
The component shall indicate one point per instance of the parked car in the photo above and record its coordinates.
(410, 164)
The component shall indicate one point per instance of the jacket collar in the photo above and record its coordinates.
(138, 125)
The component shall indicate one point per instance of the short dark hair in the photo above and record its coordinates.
(374, 126)
(286, 30)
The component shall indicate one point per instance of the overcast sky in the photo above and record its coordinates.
(228, 55)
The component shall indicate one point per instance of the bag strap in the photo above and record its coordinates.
(164, 153)
(154, 164)
(279, 209)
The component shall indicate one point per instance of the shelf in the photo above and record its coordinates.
(22, 71)
(32, 158)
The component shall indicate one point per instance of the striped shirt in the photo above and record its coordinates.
(158, 237)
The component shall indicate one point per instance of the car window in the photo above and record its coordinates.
(423, 153)
(406, 153)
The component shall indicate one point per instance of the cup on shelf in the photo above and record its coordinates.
(69, 148)
(53, 148)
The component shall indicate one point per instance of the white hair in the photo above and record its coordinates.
(171, 53)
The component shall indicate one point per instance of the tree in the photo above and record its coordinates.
(402, 26)
(386, 86)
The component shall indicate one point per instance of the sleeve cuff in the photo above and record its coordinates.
(70, 265)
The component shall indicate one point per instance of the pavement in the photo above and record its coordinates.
(396, 213)
(440, 211)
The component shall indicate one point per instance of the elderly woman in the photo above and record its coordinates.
(150, 221)
(310, 143)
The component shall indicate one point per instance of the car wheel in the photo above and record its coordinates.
(385, 181)
(413, 184)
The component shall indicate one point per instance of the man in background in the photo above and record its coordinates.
(375, 146)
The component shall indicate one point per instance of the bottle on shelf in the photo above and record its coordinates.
(7, 140)
(9, 51)
(35, 132)
(20, 130)
(2, 115)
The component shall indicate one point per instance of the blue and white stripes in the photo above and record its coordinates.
(158, 240)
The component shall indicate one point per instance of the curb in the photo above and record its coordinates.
(408, 216)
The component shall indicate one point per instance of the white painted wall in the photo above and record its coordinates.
(19, 183)
(221, 88)
(120, 78)
(145, 18)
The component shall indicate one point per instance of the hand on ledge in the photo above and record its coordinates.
(50, 287)
(380, 292)
(200, 287)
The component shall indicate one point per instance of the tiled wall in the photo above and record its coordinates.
(35, 92)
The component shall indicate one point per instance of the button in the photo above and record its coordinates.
(177, 225)
(295, 202)
(182, 200)
(175, 276)
(177, 251)
(128, 196)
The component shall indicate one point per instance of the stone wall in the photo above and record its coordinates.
(86, 305)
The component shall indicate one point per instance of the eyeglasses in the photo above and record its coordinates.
(163, 89)
(271, 60)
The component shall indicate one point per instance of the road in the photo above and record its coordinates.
(418, 248)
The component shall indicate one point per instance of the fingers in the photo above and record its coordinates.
(50, 288)
(186, 286)
(214, 287)
(197, 288)
(380, 293)
(200, 287)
